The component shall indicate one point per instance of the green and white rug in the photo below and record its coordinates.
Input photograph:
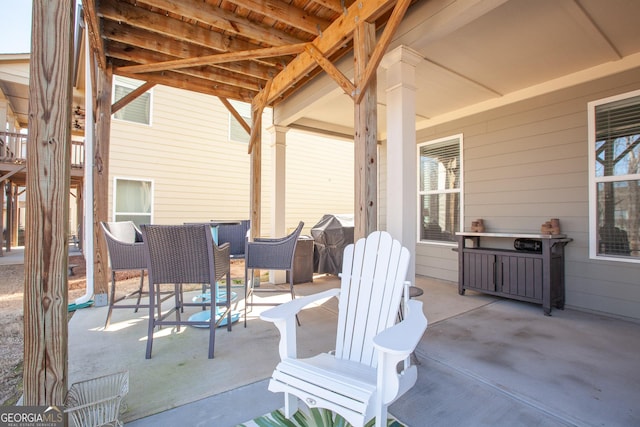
(315, 418)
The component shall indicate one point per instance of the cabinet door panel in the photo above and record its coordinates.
(479, 271)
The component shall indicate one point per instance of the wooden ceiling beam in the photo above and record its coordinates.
(235, 114)
(140, 38)
(158, 24)
(224, 20)
(216, 59)
(335, 5)
(194, 84)
(338, 33)
(257, 107)
(125, 52)
(93, 29)
(284, 12)
(333, 72)
(125, 100)
(381, 46)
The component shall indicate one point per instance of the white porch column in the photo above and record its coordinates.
(278, 190)
(401, 149)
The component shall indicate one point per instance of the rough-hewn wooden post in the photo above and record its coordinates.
(256, 175)
(365, 138)
(49, 154)
(103, 85)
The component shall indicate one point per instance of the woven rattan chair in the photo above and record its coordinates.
(183, 254)
(126, 253)
(268, 254)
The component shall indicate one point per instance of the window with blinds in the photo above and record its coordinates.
(138, 110)
(439, 191)
(614, 145)
(236, 131)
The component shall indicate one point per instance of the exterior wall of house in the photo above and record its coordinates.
(526, 163)
(198, 174)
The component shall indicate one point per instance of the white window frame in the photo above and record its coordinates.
(459, 190)
(132, 84)
(114, 213)
(238, 107)
(593, 180)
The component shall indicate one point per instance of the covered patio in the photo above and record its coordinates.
(484, 361)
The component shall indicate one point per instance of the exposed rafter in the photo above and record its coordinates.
(284, 12)
(217, 59)
(225, 21)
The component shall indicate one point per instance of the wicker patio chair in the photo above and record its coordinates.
(268, 254)
(126, 253)
(186, 254)
(235, 235)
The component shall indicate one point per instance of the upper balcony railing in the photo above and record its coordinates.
(13, 149)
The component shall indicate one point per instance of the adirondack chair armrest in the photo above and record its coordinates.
(291, 308)
(402, 338)
(283, 317)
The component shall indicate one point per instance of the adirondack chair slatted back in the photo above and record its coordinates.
(373, 275)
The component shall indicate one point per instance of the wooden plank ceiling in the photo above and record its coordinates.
(227, 48)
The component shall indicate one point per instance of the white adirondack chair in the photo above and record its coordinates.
(360, 379)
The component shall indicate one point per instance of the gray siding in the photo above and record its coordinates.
(526, 163)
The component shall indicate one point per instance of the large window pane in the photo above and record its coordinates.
(440, 217)
(439, 189)
(615, 141)
(618, 220)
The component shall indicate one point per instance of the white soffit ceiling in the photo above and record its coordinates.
(475, 53)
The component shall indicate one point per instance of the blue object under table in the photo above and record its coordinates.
(205, 315)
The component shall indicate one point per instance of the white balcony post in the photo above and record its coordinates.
(278, 190)
(401, 148)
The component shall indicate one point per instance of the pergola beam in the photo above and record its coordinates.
(127, 18)
(281, 11)
(130, 36)
(216, 59)
(381, 46)
(334, 37)
(93, 29)
(235, 114)
(125, 100)
(225, 21)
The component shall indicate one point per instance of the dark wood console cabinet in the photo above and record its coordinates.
(536, 277)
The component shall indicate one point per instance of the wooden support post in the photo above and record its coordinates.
(256, 172)
(101, 179)
(365, 138)
(49, 148)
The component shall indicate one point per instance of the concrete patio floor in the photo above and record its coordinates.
(484, 362)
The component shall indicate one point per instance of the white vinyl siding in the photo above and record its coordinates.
(614, 173)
